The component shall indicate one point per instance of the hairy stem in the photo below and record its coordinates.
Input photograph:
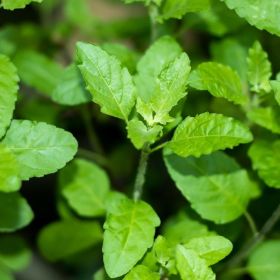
(141, 173)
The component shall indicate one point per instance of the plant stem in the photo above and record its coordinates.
(160, 146)
(153, 13)
(141, 173)
(251, 223)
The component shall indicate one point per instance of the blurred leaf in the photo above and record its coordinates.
(141, 272)
(276, 88)
(5, 274)
(17, 4)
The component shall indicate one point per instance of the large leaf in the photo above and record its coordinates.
(221, 81)
(141, 272)
(65, 238)
(85, 187)
(17, 4)
(8, 92)
(216, 186)
(15, 212)
(264, 14)
(264, 261)
(265, 157)
(9, 171)
(207, 133)
(191, 266)
(39, 148)
(129, 232)
(111, 85)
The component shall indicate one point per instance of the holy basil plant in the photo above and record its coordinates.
(210, 126)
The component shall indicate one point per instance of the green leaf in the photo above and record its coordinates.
(222, 81)
(9, 171)
(85, 186)
(16, 213)
(267, 117)
(14, 253)
(276, 88)
(38, 71)
(17, 4)
(111, 85)
(139, 133)
(263, 14)
(8, 92)
(71, 89)
(215, 185)
(39, 148)
(265, 157)
(259, 69)
(141, 272)
(206, 133)
(191, 266)
(5, 274)
(264, 261)
(147, 2)
(129, 232)
(210, 248)
(62, 239)
(178, 8)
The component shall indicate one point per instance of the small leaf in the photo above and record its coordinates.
(8, 92)
(111, 85)
(141, 272)
(39, 148)
(207, 133)
(62, 239)
(16, 213)
(259, 69)
(264, 261)
(129, 232)
(17, 4)
(222, 81)
(85, 187)
(191, 266)
(210, 248)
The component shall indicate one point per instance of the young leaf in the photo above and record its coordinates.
(111, 85)
(65, 238)
(71, 89)
(16, 213)
(216, 186)
(17, 4)
(8, 92)
(207, 133)
(191, 266)
(85, 187)
(254, 13)
(141, 272)
(210, 248)
(129, 232)
(39, 148)
(265, 157)
(259, 69)
(264, 261)
(9, 171)
(222, 81)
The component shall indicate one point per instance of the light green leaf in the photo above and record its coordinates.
(215, 185)
(39, 148)
(62, 239)
(139, 133)
(71, 88)
(9, 171)
(14, 253)
(222, 81)
(265, 157)
(8, 92)
(267, 117)
(264, 14)
(129, 232)
(85, 187)
(259, 69)
(141, 272)
(147, 2)
(17, 4)
(5, 274)
(38, 71)
(264, 261)
(191, 266)
(207, 133)
(210, 248)
(111, 85)
(178, 8)
(276, 88)
(16, 213)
